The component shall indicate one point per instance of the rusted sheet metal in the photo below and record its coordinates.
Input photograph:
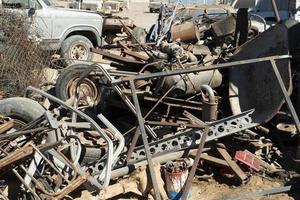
(73, 185)
(23, 153)
(253, 86)
(224, 27)
(16, 156)
(185, 32)
(211, 159)
(117, 58)
(135, 55)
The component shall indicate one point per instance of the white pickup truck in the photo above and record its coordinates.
(72, 32)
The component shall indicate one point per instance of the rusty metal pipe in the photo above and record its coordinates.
(210, 92)
(200, 68)
(210, 106)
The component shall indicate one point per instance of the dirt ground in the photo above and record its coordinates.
(203, 190)
(213, 190)
(139, 12)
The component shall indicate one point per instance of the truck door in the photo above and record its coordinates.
(41, 20)
(41, 23)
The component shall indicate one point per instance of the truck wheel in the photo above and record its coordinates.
(75, 48)
(67, 81)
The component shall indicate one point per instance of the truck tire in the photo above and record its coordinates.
(67, 79)
(75, 48)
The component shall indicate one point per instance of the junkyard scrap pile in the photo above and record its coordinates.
(204, 95)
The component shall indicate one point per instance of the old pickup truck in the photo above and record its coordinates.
(70, 32)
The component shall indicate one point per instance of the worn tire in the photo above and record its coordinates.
(67, 76)
(23, 109)
(68, 45)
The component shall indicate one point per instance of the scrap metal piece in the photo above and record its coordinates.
(6, 124)
(56, 185)
(252, 86)
(261, 162)
(201, 50)
(119, 59)
(190, 138)
(201, 68)
(224, 27)
(235, 168)
(145, 140)
(248, 159)
(23, 153)
(210, 105)
(186, 32)
(275, 9)
(212, 160)
(192, 82)
(12, 135)
(196, 161)
(133, 143)
(124, 97)
(156, 159)
(100, 132)
(52, 121)
(286, 95)
(287, 101)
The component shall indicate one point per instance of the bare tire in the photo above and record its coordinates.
(76, 48)
(23, 109)
(67, 81)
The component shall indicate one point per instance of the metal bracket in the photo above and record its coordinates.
(190, 138)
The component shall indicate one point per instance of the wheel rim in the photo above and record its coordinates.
(89, 93)
(79, 52)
